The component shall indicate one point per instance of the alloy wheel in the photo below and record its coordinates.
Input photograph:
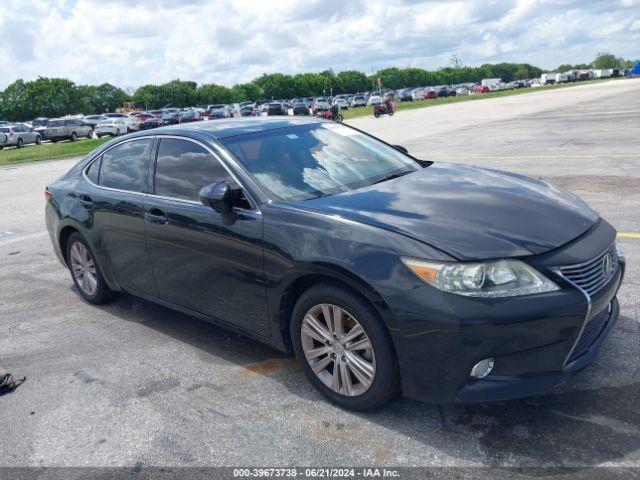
(83, 268)
(338, 350)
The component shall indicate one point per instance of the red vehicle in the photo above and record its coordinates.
(143, 116)
(387, 107)
(332, 114)
(481, 89)
(430, 94)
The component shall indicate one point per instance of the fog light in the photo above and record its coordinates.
(482, 368)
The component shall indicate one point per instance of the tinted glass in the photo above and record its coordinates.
(316, 160)
(125, 167)
(184, 167)
(56, 123)
(93, 171)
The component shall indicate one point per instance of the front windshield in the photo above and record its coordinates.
(316, 160)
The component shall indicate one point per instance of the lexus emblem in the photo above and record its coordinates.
(607, 265)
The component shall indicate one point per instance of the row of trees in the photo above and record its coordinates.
(53, 97)
(603, 60)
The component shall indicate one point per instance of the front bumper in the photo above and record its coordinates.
(439, 337)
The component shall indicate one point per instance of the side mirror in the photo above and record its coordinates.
(218, 196)
(401, 148)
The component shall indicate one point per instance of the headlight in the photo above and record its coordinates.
(497, 278)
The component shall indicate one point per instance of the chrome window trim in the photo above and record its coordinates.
(251, 200)
(94, 159)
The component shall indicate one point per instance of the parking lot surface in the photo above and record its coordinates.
(132, 383)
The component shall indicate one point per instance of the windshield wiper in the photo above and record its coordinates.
(392, 176)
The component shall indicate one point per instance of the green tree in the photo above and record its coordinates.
(276, 85)
(212, 93)
(605, 60)
(47, 97)
(102, 98)
(352, 81)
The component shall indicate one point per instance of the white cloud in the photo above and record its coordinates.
(130, 43)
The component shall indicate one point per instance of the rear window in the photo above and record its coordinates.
(4, 130)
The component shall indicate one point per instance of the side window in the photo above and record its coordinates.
(93, 171)
(125, 166)
(184, 167)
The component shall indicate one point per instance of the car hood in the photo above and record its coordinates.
(468, 212)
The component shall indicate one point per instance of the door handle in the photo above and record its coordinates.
(156, 217)
(85, 201)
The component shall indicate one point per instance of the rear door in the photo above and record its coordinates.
(113, 195)
(201, 260)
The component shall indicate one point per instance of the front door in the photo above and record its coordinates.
(201, 260)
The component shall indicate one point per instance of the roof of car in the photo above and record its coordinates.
(230, 127)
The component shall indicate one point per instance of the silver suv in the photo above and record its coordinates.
(67, 129)
(18, 135)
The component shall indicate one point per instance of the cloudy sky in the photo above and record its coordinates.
(133, 42)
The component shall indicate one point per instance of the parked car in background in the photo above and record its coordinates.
(217, 112)
(405, 95)
(93, 120)
(341, 103)
(169, 117)
(132, 123)
(276, 108)
(480, 89)
(429, 94)
(40, 126)
(462, 91)
(417, 94)
(358, 101)
(247, 110)
(320, 104)
(114, 126)
(143, 116)
(67, 129)
(152, 122)
(300, 107)
(374, 99)
(18, 135)
(189, 116)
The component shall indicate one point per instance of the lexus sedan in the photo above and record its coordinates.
(381, 272)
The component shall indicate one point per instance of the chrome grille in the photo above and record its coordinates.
(591, 276)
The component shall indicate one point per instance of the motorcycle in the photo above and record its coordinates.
(385, 108)
(332, 114)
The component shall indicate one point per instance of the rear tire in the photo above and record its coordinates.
(74, 136)
(85, 272)
(20, 143)
(376, 113)
(378, 387)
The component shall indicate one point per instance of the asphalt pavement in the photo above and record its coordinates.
(131, 383)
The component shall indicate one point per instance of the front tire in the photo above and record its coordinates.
(85, 272)
(74, 136)
(38, 140)
(343, 348)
